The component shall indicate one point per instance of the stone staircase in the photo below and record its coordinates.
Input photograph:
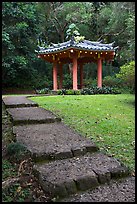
(66, 163)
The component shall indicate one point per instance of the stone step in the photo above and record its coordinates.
(62, 178)
(52, 141)
(31, 115)
(120, 190)
(18, 101)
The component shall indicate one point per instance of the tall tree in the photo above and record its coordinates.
(116, 22)
(57, 16)
(19, 33)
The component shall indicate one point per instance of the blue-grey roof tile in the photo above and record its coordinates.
(84, 45)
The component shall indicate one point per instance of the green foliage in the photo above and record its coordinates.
(130, 22)
(98, 90)
(112, 81)
(89, 91)
(116, 22)
(41, 82)
(89, 82)
(73, 92)
(61, 92)
(43, 91)
(15, 194)
(7, 169)
(68, 92)
(72, 31)
(127, 74)
(16, 151)
(18, 37)
(26, 189)
(67, 81)
(79, 38)
(78, 12)
(56, 16)
(23, 23)
(15, 148)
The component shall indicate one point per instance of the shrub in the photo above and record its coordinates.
(87, 82)
(68, 92)
(87, 91)
(127, 74)
(67, 81)
(61, 92)
(43, 91)
(112, 81)
(90, 91)
(16, 151)
(97, 90)
(77, 92)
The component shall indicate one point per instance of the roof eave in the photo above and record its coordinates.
(74, 47)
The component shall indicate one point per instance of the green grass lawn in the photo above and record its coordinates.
(107, 119)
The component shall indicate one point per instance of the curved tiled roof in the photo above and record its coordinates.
(83, 45)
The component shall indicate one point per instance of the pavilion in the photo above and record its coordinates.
(77, 53)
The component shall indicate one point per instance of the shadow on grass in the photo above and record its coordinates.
(130, 102)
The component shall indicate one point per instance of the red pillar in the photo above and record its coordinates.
(54, 76)
(81, 76)
(60, 76)
(99, 72)
(75, 67)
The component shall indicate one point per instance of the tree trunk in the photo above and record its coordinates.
(62, 36)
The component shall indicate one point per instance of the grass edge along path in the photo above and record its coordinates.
(107, 119)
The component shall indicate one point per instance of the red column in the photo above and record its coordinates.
(75, 64)
(99, 72)
(81, 76)
(54, 76)
(60, 76)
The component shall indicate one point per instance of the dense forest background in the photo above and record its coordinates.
(24, 23)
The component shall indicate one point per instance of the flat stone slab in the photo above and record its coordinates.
(18, 101)
(122, 190)
(53, 141)
(32, 115)
(64, 177)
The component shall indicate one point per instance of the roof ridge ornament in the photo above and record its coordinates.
(115, 48)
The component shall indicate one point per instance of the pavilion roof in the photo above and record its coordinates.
(82, 45)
